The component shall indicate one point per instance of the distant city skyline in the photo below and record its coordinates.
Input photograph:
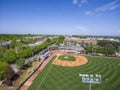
(66, 17)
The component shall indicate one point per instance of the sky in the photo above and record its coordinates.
(66, 17)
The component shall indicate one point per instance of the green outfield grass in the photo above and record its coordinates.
(67, 78)
(67, 57)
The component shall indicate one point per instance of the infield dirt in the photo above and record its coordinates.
(80, 60)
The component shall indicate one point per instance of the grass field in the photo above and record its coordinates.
(67, 57)
(67, 78)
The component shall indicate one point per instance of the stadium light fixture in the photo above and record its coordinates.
(91, 79)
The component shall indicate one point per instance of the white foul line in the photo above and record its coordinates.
(44, 77)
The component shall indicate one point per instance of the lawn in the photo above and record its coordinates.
(67, 78)
(67, 57)
(3, 88)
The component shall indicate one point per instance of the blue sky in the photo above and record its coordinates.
(80, 17)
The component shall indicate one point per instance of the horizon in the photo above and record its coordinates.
(60, 35)
(63, 17)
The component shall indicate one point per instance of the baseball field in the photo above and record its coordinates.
(57, 77)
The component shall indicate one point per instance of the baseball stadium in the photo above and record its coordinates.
(61, 71)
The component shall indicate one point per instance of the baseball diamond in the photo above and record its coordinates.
(57, 76)
(79, 60)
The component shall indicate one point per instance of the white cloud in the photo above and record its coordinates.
(107, 7)
(75, 1)
(83, 1)
(89, 13)
(80, 3)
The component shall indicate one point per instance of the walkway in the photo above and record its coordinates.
(28, 83)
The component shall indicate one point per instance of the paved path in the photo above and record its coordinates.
(28, 83)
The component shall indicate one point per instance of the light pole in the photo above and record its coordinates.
(94, 50)
(64, 46)
(91, 79)
(90, 86)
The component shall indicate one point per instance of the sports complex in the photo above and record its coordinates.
(62, 73)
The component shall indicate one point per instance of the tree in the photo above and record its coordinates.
(100, 49)
(10, 56)
(8, 73)
(3, 65)
(103, 43)
(109, 49)
(119, 49)
(2, 52)
(60, 39)
(88, 48)
(25, 53)
(13, 44)
(20, 62)
(48, 40)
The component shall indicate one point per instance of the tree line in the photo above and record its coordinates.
(10, 56)
(104, 47)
